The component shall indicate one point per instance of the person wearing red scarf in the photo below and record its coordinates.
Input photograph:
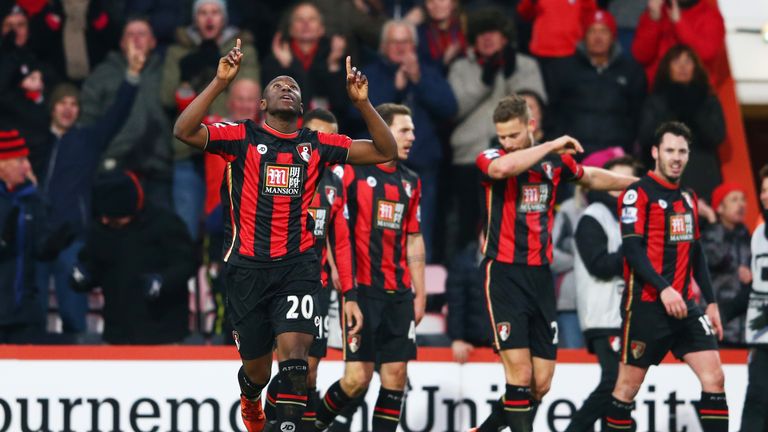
(443, 35)
(304, 52)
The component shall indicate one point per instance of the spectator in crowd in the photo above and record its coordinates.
(696, 23)
(467, 319)
(598, 270)
(21, 317)
(538, 112)
(442, 35)
(68, 180)
(563, 231)
(726, 244)
(15, 43)
(142, 144)
(627, 14)
(142, 257)
(23, 106)
(557, 28)
(189, 64)
(597, 93)
(310, 57)
(402, 78)
(491, 70)
(163, 16)
(72, 36)
(682, 92)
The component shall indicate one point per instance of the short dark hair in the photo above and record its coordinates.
(321, 114)
(137, 18)
(626, 160)
(675, 128)
(388, 111)
(510, 108)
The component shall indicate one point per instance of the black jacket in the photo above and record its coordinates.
(468, 318)
(120, 260)
(597, 106)
(20, 219)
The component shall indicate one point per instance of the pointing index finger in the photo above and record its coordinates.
(237, 45)
(349, 65)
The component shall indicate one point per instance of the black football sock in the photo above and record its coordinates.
(269, 406)
(495, 420)
(517, 408)
(618, 415)
(291, 400)
(713, 412)
(248, 388)
(331, 405)
(310, 414)
(386, 413)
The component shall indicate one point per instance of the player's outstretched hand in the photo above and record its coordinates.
(566, 145)
(353, 316)
(674, 303)
(713, 313)
(357, 83)
(229, 65)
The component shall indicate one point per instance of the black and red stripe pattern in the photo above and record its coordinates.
(666, 218)
(328, 209)
(270, 181)
(12, 144)
(520, 209)
(383, 206)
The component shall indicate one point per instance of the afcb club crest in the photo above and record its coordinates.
(305, 151)
(353, 342)
(503, 329)
(638, 349)
(330, 193)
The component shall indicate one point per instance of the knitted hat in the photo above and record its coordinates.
(722, 191)
(220, 3)
(600, 17)
(599, 158)
(488, 19)
(117, 194)
(63, 90)
(12, 145)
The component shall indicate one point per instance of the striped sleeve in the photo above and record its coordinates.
(572, 170)
(413, 220)
(485, 158)
(333, 147)
(226, 139)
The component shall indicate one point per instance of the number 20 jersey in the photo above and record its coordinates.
(269, 183)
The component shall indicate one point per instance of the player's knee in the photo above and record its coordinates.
(626, 390)
(519, 374)
(356, 381)
(713, 382)
(540, 390)
(257, 372)
(394, 378)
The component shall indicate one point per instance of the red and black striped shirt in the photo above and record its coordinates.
(329, 210)
(269, 183)
(521, 208)
(383, 206)
(666, 219)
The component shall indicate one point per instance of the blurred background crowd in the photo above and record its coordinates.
(93, 180)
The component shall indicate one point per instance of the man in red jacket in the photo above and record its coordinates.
(666, 23)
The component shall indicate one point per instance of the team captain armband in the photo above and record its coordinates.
(485, 158)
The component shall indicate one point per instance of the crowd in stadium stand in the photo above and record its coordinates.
(89, 91)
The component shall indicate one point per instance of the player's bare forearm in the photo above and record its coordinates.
(601, 179)
(382, 148)
(188, 128)
(416, 258)
(512, 164)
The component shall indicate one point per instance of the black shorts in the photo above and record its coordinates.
(319, 346)
(522, 307)
(389, 330)
(650, 334)
(265, 302)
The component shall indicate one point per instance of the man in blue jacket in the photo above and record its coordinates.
(67, 182)
(404, 79)
(20, 317)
